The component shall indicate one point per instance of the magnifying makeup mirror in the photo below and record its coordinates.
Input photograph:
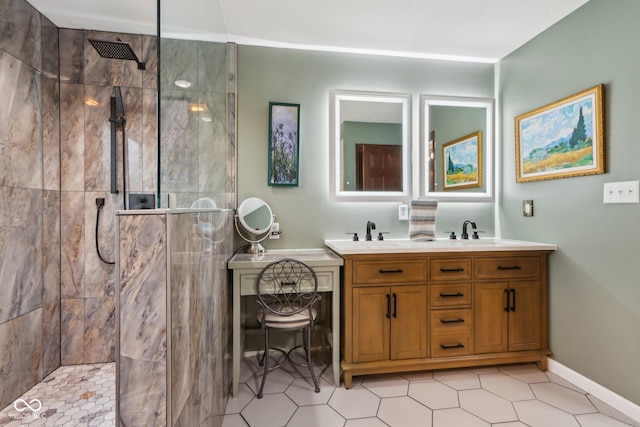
(254, 219)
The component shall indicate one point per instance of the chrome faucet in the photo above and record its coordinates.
(465, 235)
(370, 226)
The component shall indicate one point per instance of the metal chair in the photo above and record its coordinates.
(287, 291)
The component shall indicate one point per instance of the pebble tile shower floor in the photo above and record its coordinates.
(508, 396)
(79, 395)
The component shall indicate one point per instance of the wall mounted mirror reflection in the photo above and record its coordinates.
(457, 148)
(370, 146)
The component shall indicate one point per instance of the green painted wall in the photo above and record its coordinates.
(365, 133)
(595, 274)
(306, 214)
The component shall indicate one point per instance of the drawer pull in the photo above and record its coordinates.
(458, 320)
(509, 267)
(452, 270)
(383, 271)
(457, 294)
(451, 346)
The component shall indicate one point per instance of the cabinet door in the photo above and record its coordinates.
(408, 322)
(371, 324)
(524, 316)
(490, 317)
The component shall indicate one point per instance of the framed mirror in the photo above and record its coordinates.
(457, 144)
(370, 154)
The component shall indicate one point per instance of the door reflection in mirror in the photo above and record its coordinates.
(370, 150)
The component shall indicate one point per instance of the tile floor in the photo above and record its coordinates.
(80, 395)
(506, 396)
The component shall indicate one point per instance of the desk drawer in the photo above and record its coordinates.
(447, 322)
(455, 294)
(450, 269)
(248, 282)
(507, 267)
(451, 345)
(400, 271)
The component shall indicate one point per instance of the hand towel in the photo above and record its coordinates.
(422, 219)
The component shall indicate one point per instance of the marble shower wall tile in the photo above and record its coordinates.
(99, 329)
(150, 58)
(182, 66)
(134, 109)
(72, 137)
(51, 247)
(72, 245)
(107, 71)
(212, 67)
(150, 140)
(142, 390)
(50, 54)
(71, 56)
(20, 31)
(97, 138)
(212, 137)
(21, 255)
(20, 355)
(21, 115)
(72, 336)
(50, 337)
(51, 133)
(99, 277)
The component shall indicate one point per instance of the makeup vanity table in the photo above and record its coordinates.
(246, 268)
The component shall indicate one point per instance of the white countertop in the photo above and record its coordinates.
(315, 257)
(390, 246)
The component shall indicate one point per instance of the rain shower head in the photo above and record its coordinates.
(116, 50)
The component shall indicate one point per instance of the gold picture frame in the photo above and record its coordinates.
(563, 139)
(462, 162)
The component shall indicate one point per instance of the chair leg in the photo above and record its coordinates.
(265, 360)
(307, 333)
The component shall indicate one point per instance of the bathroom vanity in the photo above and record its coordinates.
(411, 306)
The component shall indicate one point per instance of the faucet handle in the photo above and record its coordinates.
(452, 236)
(475, 234)
(380, 235)
(355, 236)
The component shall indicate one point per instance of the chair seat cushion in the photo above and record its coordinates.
(298, 320)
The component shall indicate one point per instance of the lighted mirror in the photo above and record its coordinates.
(457, 148)
(370, 146)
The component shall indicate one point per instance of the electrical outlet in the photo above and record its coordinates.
(622, 192)
(274, 233)
(527, 208)
(403, 212)
(141, 201)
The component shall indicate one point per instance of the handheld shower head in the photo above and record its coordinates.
(116, 50)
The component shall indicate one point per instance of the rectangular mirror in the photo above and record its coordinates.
(457, 148)
(370, 154)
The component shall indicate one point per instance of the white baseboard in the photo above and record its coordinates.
(612, 399)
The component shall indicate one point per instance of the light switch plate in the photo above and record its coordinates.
(527, 208)
(403, 212)
(622, 192)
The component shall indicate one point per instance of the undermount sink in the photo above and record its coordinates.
(345, 247)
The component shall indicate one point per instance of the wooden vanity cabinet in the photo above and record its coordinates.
(407, 312)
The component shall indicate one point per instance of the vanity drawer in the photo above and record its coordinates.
(507, 267)
(392, 271)
(450, 269)
(447, 322)
(452, 295)
(451, 345)
(248, 282)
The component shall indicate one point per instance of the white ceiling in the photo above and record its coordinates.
(475, 30)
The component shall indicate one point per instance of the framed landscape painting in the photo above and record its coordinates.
(563, 139)
(284, 131)
(462, 162)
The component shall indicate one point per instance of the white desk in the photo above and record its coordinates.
(246, 268)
